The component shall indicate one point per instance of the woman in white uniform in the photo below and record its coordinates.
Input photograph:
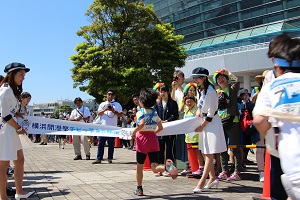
(211, 136)
(10, 144)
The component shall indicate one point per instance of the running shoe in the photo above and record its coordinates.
(139, 192)
(188, 170)
(234, 177)
(199, 172)
(222, 176)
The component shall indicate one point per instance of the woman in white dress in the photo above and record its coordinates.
(211, 136)
(10, 144)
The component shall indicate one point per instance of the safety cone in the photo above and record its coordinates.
(147, 165)
(70, 139)
(192, 158)
(267, 178)
(118, 143)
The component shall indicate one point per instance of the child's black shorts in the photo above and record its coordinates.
(141, 157)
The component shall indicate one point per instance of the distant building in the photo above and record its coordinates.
(231, 34)
(50, 107)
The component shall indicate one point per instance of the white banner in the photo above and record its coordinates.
(39, 125)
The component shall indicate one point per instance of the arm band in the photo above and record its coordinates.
(209, 119)
(7, 118)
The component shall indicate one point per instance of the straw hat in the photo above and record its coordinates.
(260, 78)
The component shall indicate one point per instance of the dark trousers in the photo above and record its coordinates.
(277, 190)
(38, 137)
(111, 147)
(167, 143)
(233, 133)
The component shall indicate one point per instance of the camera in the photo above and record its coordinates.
(109, 106)
(175, 78)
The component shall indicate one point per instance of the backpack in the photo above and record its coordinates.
(246, 120)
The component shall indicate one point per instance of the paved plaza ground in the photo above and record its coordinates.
(53, 174)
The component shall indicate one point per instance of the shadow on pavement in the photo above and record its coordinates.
(47, 172)
(242, 189)
(188, 196)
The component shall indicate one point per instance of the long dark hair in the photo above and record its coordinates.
(207, 83)
(9, 79)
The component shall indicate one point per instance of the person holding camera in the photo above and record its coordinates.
(109, 111)
(177, 86)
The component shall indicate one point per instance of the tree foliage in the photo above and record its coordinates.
(62, 109)
(126, 47)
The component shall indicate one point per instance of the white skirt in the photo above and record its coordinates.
(10, 143)
(212, 139)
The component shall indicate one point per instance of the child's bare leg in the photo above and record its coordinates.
(139, 174)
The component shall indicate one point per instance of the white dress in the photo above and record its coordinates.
(212, 139)
(9, 139)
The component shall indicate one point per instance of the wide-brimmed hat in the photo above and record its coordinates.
(15, 66)
(220, 72)
(260, 78)
(199, 72)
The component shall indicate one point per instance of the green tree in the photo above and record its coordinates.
(62, 109)
(126, 47)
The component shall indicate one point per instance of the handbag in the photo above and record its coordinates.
(246, 120)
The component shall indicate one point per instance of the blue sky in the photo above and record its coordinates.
(42, 35)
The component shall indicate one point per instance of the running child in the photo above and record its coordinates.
(149, 124)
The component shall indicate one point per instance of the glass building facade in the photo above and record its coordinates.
(197, 19)
(231, 34)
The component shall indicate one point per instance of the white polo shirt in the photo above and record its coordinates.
(108, 117)
(85, 111)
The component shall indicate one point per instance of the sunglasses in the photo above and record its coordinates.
(110, 93)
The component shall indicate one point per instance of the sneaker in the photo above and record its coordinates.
(10, 191)
(261, 176)
(109, 161)
(188, 170)
(199, 172)
(88, 157)
(158, 174)
(78, 157)
(97, 162)
(139, 192)
(222, 176)
(234, 177)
